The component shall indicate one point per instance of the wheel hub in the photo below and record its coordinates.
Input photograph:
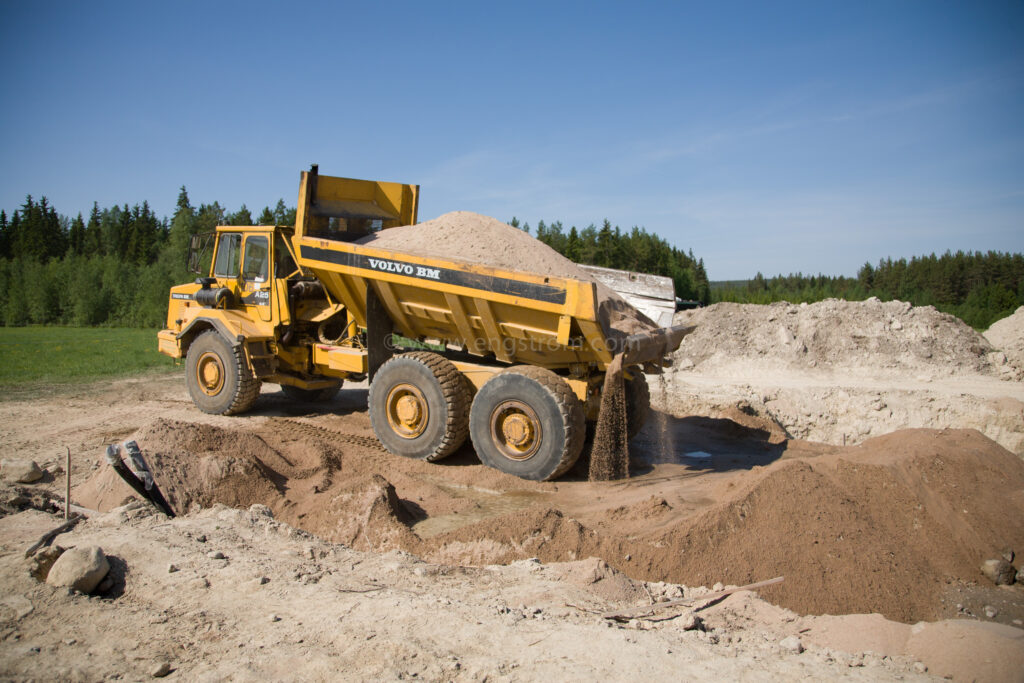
(515, 430)
(210, 374)
(406, 409)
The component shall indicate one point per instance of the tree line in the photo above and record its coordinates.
(977, 287)
(636, 250)
(114, 268)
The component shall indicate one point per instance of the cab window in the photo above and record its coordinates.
(257, 258)
(229, 250)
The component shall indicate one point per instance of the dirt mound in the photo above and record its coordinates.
(1007, 337)
(475, 238)
(879, 528)
(870, 338)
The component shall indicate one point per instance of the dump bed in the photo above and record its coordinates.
(516, 316)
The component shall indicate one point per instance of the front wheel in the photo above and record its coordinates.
(219, 379)
(528, 422)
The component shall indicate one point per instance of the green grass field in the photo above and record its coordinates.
(57, 355)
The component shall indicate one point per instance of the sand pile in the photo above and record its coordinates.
(877, 528)
(882, 527)
(472, 237)
(871, 338)
(1007, 337)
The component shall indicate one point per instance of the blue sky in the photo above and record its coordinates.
(774, 136)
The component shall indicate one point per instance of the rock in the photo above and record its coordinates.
(21, 471)
(256, 511)
(1020, 575)
(1000, 572)
(80, 569)
(215, 555)
(991, 611)
(920, 668)
(1008, 555)
(160, 670)
(690, 622)
(43, 561)
(792, 644)
(171, 568)
(199, 583)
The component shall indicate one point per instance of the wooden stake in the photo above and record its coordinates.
(643, 611)
(67, 485)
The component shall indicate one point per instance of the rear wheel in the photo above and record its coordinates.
(419, 406)
(638, 403)
(528, 422)
(219, 379)
(311, 395)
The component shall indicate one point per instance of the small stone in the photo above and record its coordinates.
(1000, 572)
(43, 561)
(21, 471)
(991, 611)
(919, 667)
(628, 558)
(69, 641)
(201, 538)
(199, 583)
(256, 510)
(274, 618)
(216, 555)
(263, 580)
(717, 587)
(792, 644)
(690, 622)
(160, 670)
(80, 569)
(171, 568)
(1008, 554)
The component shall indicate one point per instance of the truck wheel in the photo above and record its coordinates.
(419, 406)
(311, 395)
(219, 379)
(638, 403)
(528, 422)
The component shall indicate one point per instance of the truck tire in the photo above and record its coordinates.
(419, 406)
(528, 422)
(638, 403)
(311, 395)
(219, 379)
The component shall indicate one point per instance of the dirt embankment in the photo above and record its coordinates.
(841, 372)
(883, 527)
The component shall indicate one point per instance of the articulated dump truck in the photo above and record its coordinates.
(514, 360)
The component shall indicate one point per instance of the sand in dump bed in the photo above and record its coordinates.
(479, 239)
(882, 527)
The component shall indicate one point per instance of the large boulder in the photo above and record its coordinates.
(80, 569)
(21, 471)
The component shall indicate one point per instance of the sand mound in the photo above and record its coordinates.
(1007, 336)
(877, 528)
(880, 528)
(863, 337)
(472, 237)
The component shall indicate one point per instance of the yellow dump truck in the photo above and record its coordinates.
(514, 360)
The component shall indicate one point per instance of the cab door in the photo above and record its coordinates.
(255, 285)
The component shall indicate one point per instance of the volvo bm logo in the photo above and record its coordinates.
(404, 268)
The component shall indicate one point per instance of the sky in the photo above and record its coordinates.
(776, 137)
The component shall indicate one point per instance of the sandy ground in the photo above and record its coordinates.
(400, 542)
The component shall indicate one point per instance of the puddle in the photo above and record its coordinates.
(486, 504)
